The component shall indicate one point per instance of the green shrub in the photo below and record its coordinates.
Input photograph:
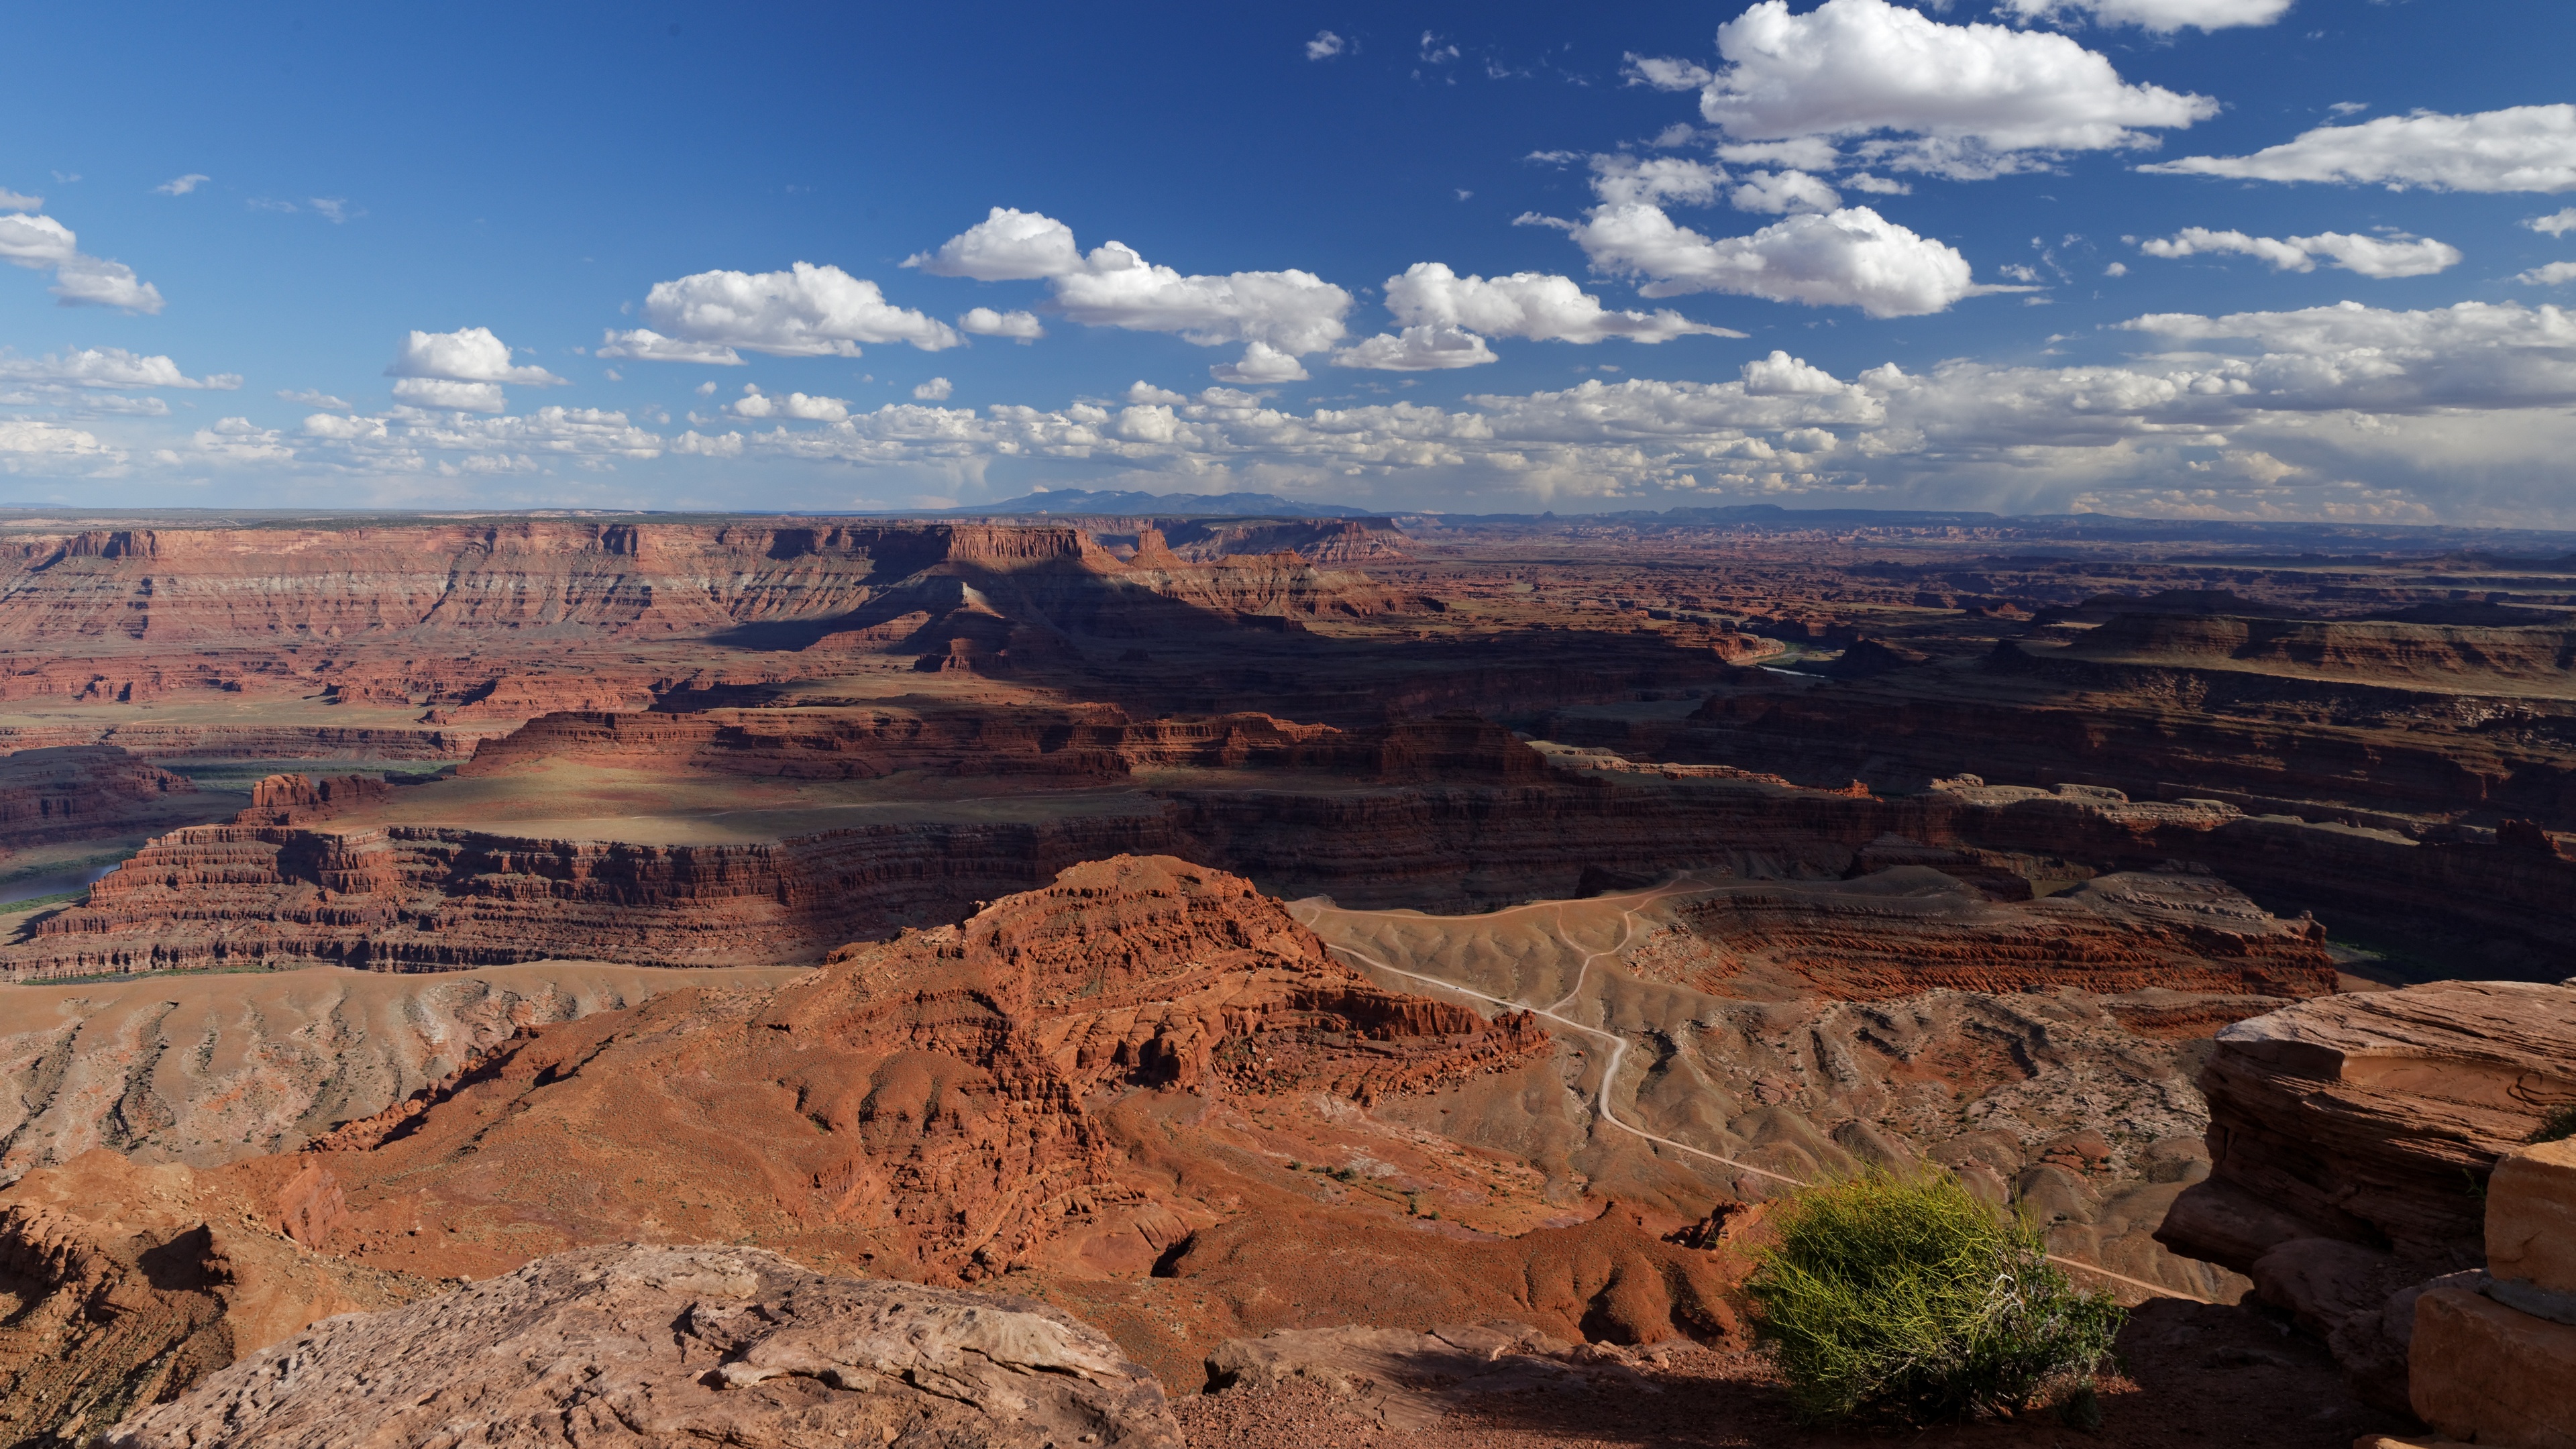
(2558, 1126)
(1907, 1297)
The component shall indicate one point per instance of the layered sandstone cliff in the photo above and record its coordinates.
(1453, 814)
(2352, 1139)
(84, 792)
(2373, 1119)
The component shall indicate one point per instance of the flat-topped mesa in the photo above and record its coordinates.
(77, 792)
(1325, 542)
(1909, 928)
(1075, 745)
(2449, 655)
(301, 799)
(247, 587)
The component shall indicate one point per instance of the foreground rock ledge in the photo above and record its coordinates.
(655, 1345)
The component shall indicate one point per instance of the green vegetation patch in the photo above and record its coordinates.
(1906, 1297)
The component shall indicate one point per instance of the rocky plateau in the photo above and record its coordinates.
(1205, 980)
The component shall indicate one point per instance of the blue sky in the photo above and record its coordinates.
(1929, 224)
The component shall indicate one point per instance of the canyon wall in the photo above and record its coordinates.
(431, 897)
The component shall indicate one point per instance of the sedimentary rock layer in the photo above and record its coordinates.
(643, 1346)
(1102, 1090)
(208, 1069)
(2374, 1119)
(408, 897)
(83, 792)
(121, 1285)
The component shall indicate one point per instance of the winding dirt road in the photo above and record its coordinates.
(1619, 1051)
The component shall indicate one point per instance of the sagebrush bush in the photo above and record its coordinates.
(2558, 1126)
(1906, 1296)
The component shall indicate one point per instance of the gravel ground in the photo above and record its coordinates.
(2193, 1374)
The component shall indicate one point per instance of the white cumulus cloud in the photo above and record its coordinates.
(1427, 348)
(1781, 375)
(2370, 256)
(2161, 16)
(2520, 148)
(935, 390)
(28, 438)
(2547, 276)
(1018, 326)
(98, 282)
(1289, 312)
(1655, 180)
(1534, 305)
(315, 398)
(2557, 223)
(1007, 246)
(448, 393)
(754, 404)
(805, 311)
(19, 201)
(1852, 257)
(643, 344)
(1292, 311)
(1962, 100)
(108, 367)
(469, 354)
(1262, 364)
(36, 242)
(2473, 354)
(182, 185)
(1325, 46)
(1776, 192)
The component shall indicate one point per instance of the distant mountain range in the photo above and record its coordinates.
(1095, 502)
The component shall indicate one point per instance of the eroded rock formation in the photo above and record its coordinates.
(649, 1346)
(207, 1069)
(121, 1285)
(85, 792)
(1101, 1091)
(2352, 1138)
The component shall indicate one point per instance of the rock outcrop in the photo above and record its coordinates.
(301, 799)
(1903, 929)
(1453, 814)
(2375, 1119)
(122, 1284)
(649, 1346)
(2352, 1141)
(84, 792)
(1123, 1090)
(2494, 1362)
(1081, 745)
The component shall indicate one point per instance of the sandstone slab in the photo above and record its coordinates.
(2481, 1372)
(2375, 1119)
(2531, 1216)
(633, 1346)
